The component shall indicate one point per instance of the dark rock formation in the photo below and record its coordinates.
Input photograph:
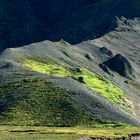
(89, 57)
(107, 51)
(81, 79)
(120, 64)
(105, 68)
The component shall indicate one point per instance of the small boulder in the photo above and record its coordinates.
(120, 64)
(88, 56)
(76, 70)
(107, 51)
(81, 79)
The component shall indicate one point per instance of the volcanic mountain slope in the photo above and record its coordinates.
(59, 84)
(56, 84)
(125, 40)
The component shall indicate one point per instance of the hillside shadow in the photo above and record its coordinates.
(31, 21)
(16, 37)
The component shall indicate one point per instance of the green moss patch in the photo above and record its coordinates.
(93, 81)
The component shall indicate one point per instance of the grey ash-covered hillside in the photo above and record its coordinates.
(54, 83)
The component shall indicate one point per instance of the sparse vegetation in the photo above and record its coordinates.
(73, 89)
(93, 81)
(35, 101)
(73, 133)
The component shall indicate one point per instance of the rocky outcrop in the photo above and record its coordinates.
(120, 64)
(106, 51)
(105, 68)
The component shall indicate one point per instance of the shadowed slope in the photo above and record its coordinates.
(28, 21)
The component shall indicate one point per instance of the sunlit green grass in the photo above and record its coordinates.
(28, 136)
(95, 82)
(72, 133)
(36, 101)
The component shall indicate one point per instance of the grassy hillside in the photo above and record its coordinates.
(91, 80)
(35, 101)
(56, 84)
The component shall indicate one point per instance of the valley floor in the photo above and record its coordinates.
(74, 133)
